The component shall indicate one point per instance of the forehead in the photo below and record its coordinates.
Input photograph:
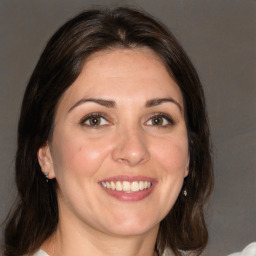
(130, 73)
(120, 60)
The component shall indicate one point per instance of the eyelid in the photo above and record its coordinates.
(96, 115)
(162, 115)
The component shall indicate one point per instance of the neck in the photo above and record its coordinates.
(75, 240)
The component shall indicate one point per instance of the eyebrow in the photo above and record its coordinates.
(158, 101)
(112, 104)
(105, 103)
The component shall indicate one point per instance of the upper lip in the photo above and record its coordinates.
(129, 178)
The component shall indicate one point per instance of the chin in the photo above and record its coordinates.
(134, 228)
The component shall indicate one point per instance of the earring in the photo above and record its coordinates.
(46, 176)
(185, 192)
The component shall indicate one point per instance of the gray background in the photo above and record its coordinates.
(220, 38)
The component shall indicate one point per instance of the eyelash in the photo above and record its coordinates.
(166, 117)
(91, 116)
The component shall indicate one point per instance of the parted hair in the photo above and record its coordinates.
(34, 216)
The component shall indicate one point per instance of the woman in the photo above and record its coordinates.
(113, 144)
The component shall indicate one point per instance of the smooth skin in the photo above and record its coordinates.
(124, 115)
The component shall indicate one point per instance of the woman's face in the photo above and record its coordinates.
(119, 150)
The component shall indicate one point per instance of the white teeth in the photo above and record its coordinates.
(113, 185)
(135, 186)
(141, 185)
(127, 186)
(108, 185)
(119, 186)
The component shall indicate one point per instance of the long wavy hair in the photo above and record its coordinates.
(34, 216)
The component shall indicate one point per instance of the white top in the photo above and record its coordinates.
(249, 250)
(40, 253)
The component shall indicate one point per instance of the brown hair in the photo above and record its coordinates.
(34, 216)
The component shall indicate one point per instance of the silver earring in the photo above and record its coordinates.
(46, 176)
(185, 193)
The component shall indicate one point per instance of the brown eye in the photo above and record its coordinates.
(94, 120)
(157, 120)
(160, 120)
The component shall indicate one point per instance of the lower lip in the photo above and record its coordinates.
(132, 196)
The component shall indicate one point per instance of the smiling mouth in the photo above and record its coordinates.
(127, 186)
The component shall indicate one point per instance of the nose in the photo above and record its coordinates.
(130, 148)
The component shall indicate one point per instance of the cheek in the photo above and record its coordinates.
(173, 155)
(77, 156)
(172, 161)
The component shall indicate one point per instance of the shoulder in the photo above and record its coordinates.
(249, 250)
(168, 252)
(40, 253)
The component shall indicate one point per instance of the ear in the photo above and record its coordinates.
(45, 161)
